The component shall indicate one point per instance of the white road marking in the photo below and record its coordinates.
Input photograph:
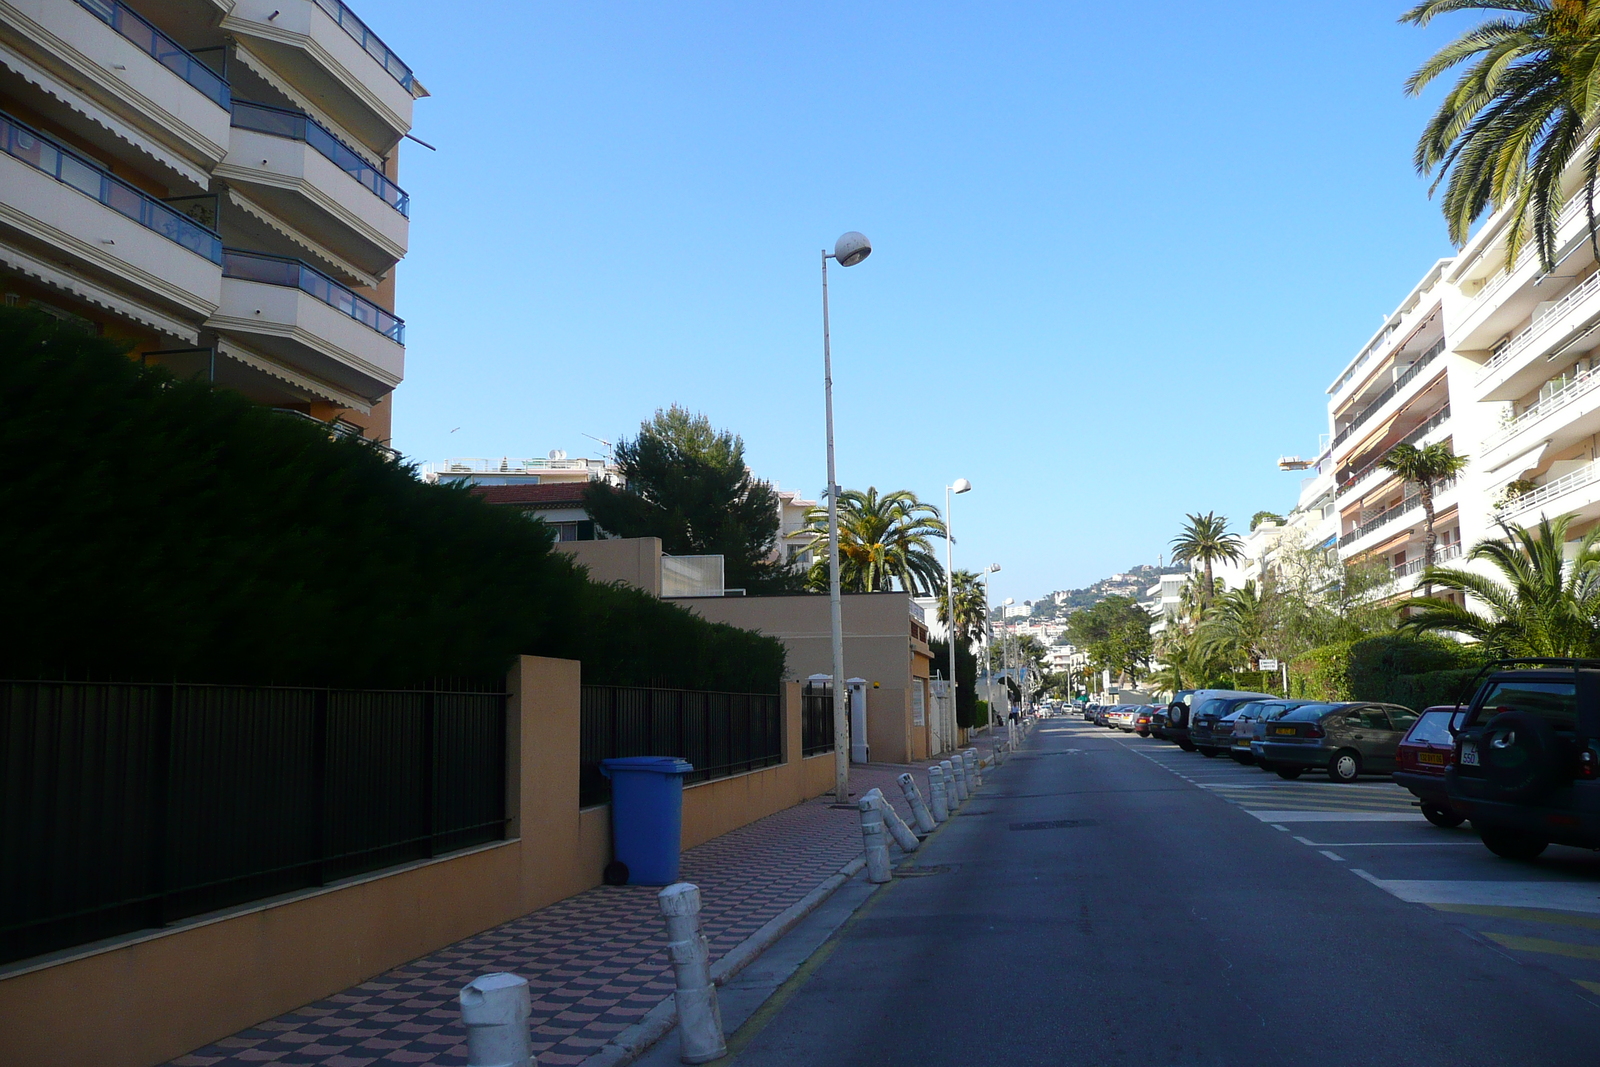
(1336, 816)
(1554, 896)
(1333, 856)
(1391, 844)
(1304, 840)
(1275, 826)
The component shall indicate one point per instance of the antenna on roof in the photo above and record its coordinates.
(607, 444)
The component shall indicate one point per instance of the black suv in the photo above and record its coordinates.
(1526, 765)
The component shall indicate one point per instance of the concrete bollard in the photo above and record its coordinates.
(958, 767)
(938, 794)
(495, 1010)
(974, 769)
(896, 826)
(877, 848)
(700, 1038)
(919, 810)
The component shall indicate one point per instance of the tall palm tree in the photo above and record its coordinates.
(1425, 468)
(1521, 111)
(1206, 541)
(1546, 606)
(971, 610)
(1241, 626)
(882, 540)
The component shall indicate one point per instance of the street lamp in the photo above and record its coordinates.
(988, 635)
(961, 486)
(848, 250)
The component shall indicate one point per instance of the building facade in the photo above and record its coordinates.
(215, 183)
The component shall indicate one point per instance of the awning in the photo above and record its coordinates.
(98, 295)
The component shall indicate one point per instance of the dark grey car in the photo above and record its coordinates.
(1346, 739)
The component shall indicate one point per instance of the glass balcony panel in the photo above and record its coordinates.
(80, 175)
(280, 270)
(368, 40)
(279, 122)
(163, 49)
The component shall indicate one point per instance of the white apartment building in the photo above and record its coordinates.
(556, 467)
(214, 182)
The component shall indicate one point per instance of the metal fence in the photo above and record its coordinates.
(129, 806)
(816, 719)
(721, 734)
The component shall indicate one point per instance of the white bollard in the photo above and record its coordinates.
(877, 848)
(495, 1010)
(974, 770)
(958, 767)
(919, 810)
(896, 826)
(938, 794)
(700, 1038)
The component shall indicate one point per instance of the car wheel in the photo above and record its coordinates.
(1345, 766)
(1264, 765)
(1289, 774)
(1512, 844)
(1187, 746)
(1442, 817)
(1208, 753)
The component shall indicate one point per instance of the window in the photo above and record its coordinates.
(1432, 728)
(1400, 718)
(1555, 702)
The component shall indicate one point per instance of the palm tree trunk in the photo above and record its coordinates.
(1425, 490)
(1211, 585)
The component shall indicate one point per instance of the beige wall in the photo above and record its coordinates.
(148, 998)
(634, 561)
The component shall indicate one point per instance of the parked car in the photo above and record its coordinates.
(1526, 766)
(1207, 707)
(1158, 721)
(1121, 717)
(1089, 711)
(1347, 739)
(1424, 755)
(1142, 720)
(1100, 716)
(1246, 717)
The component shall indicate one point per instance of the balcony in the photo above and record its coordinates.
(146, 83)
(1515, 366)
(69, 205)
(1384, 522)
(1577, 492)
(300, 171)
(1538, 414)
(296, 314)
(1359, 480)
(1410, 375)
(321, 47)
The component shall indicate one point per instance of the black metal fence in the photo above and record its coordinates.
(816, 719)
(722, 734)
(130, 806)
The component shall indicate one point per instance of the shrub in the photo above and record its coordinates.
(1378, 665)
(1321, 674)
(157, 529)
(966, 681)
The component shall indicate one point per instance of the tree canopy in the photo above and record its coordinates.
(1115, 633)
(687, 484)
(882, 540)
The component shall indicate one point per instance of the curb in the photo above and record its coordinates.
(634, 1041)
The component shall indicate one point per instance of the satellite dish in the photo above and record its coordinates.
(556, 453)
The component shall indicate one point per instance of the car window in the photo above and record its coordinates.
(1275, 711)
(1249, 710)
(1555, 702)
(1432, 728)
(1308, 713)
(1400, 718)
(1374, 719)
(1209, 707)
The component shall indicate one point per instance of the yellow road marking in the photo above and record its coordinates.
(1534, 915)
(1593, 987)
(1546, 946)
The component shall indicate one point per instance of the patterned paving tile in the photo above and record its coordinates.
(595, 961)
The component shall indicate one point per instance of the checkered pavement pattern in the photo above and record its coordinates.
(595, 962)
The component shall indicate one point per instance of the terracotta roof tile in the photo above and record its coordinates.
(554, 493)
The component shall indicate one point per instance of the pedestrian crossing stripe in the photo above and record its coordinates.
(1532, 915)
(1545, 946)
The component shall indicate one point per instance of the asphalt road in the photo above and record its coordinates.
(1109, 900)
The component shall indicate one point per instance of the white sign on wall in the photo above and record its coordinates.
(1269, 664)
(919, 711)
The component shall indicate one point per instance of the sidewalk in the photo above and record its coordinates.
(595, 961)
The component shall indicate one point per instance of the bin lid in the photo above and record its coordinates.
(646, 764)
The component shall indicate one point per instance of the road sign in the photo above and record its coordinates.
(1269, 664)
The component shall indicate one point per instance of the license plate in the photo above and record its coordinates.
(1435, 758)
(1241, 744)
(1469, 755)
(1284, 731)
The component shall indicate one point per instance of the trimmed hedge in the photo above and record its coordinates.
(966, 681)
(161, 529)
(1411, 670)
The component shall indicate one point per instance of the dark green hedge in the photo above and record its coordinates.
(1412, 670)
(967, 714)
(155, 528)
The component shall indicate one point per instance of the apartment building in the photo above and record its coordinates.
(214, 182)
(1405, 386)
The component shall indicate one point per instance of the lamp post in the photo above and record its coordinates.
(848, 250)
(961, 486)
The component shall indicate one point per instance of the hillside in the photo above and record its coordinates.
(1132, 582)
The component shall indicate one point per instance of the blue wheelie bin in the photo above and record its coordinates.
(647, 815)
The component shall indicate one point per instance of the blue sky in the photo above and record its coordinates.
(1118, 258)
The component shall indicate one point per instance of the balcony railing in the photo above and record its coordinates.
(368, 40)
(1384, 397)
(1410, 503)
(1367, 353)
(1411, 438)
(341, 430)
(1579, 386)
(1528, 252)
(28, 145)
(162, 49)
(281, 270)
(281, 122)
(1442, 555)
(1549, 490)
(1508, 351)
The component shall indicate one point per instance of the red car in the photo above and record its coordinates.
(1424, 753)
(1141, 721)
